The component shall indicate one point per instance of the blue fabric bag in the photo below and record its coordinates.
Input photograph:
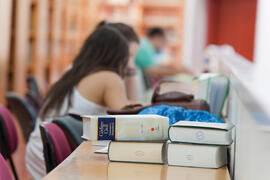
(175, 114)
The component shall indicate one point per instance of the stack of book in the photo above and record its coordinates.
(199, 144)
(133, 138)
(144, 139)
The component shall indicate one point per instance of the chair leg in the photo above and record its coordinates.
(13, 168)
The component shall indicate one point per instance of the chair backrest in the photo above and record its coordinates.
(23, 112)
(8, 129)
(73, 129)
(5, 173)
(31, 100)
(33, 86)
(8, 137)
(55, 145)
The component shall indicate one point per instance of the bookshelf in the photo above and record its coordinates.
(5, 22)
(126, 11)
(21, 49)
(54, 40)
(38, 43)
(56, 33)
(69, 26)
(46, 35)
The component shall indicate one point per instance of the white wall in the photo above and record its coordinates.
(252, 145)
(250, 155)
(195, 28)
(249, 105)
(262, 50)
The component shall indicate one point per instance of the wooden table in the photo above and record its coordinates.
(83, 163)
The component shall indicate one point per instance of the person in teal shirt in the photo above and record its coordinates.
(146, 54)
(145, 58)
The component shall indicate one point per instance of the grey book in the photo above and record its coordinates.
(195, 155)
(140, 152)
(201, 133)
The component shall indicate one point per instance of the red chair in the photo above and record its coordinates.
(23, 111)
(8, 137)
(5, 173)
(55, 145)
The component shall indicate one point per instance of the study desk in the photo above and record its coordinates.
(83, 163)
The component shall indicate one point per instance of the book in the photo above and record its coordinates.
(195, 155)
(136, 171)
(126, 127)
(142, 152)
(201, 133)
(214, 88)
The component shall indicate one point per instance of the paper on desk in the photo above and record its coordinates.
(101, 143)
(103, 150)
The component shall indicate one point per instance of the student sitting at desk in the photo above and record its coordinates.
(93, 84)
(145, 58)
(133, 40)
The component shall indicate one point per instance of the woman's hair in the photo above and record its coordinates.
(105, 49)
(124, 29)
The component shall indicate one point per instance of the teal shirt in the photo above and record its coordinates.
(146, 55)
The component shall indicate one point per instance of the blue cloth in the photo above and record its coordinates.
(175, 114)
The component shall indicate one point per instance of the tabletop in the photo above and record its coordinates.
(83, 163)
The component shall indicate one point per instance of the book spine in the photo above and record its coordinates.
(169, 134)
(197, 156)
(111, 128)
(201, 136)
(109, 154)
(164, 153)
(139, 154)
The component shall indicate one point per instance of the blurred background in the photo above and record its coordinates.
(41, 37)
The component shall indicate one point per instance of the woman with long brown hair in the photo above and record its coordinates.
(94, 83)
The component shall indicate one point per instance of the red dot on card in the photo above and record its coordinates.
(152, 129)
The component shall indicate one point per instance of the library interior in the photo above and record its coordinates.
(134, 89)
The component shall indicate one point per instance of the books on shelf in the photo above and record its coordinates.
(162, 3)
(196, 155)
(201, 133)
(126, 127)
(143, 152)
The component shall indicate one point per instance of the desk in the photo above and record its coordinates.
(83, 163)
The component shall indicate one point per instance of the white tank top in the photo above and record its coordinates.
(34, 152)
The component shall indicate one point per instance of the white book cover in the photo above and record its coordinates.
(201, 133)
(140, 152)
(224, 126)
(194, 155)
(126, 127)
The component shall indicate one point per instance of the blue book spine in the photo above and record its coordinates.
(106, 128)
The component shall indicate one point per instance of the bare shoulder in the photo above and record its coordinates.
(103, 78)
(95, 85)
(108, 77)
